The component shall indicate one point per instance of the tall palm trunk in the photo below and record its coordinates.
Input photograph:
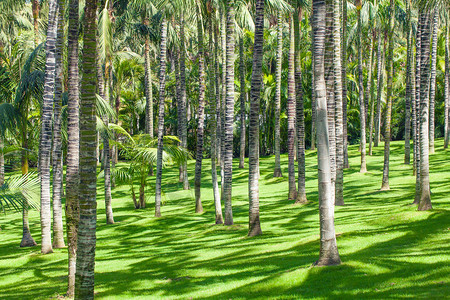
(447, 87)
(277, 170)
(369, 100)
(425, 196)
(254, 225)
(223, 100)
(148, 86)
(84, 278)
(301, 194)
(409, 88)
(107, 151)
(243, 98)
(73, 146)
(362, 114)
(380, 79)
(2, 163)
(313, 101)
(372, 92)
(215, 116)
(433, 76)
(46, 128)
(229, 116)
(344, 81)
(417, 104)
(390, 75)
(183, 106)
(201, 116)
(161, 114)
(328, 248)
(58, 232)
(291, 104)
(337, 66)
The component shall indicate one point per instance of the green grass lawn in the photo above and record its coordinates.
(388, 248)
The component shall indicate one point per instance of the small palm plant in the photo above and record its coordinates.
(141, 151)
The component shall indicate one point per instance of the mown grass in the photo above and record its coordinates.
(388, 249)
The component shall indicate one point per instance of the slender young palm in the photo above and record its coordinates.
(161, 114)
(362, 114)
(58, 234)
(390, 75)
(84, 278)
(201, 113)
(409, 88)
(369, 88)
(372, 93)
(73, 144)
(434, 45)
(447, 86)
(243, 98)
(425, 195)
(337, 68)
(328, 248)
(277, 169)
(46, 127)
(380, 79)
(417, 100)
(254, 226)
(301, 193)
(229, 115)
(215, 116)
(344, 81)
(2, 163)
(291, 104)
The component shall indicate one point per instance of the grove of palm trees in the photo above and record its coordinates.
(209, 149)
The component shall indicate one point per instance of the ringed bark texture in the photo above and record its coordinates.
(277, 170)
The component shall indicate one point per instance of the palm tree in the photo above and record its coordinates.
(425, 196)
(301, 194)
(337, 68)
(344, 81)
(328, 248)
(435, 28)
(417, 147)
(243, 98)
(390, 75)
(201, 112)
(229, 115)
(84, 282)
(277, 170)
(380, 79)
(46, 127)
(73, 144)
(362, 114)
(2, 162)
(162, 95)
(58, 233)
(409, 87)
(447, 86)
(254, 225)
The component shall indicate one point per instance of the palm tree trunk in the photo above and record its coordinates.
(243, 97)
(254, 225)
(2, 163)
(183, 106)
(223, 101)
(291, 104)
(331, 105)
(425, 196)
(369, 100)
(201, 117)
(73, 145)
(84, 278)
(372, 94)
(277, 169)
(433, 76)
(107, 151)
(337, 66)
(313, 102)
(390, 75)
(148, 87)
(229, 116)
(58, 232)
(409, 89)
(215, 115)
(35, 7)
(344, 81)
(380, 79)
(362, 114)
(301, 194)
(417, 104)
(46, 128)
(329, 254)
(447, 87)
(162, 95)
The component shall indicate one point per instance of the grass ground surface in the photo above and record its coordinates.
(388, 249)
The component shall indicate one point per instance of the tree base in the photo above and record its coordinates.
(277, 173)
(340, 203)
(255, 231)
(301, 199)
(385, 187)
(327, 261)
(59, 244)
(27, 241)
